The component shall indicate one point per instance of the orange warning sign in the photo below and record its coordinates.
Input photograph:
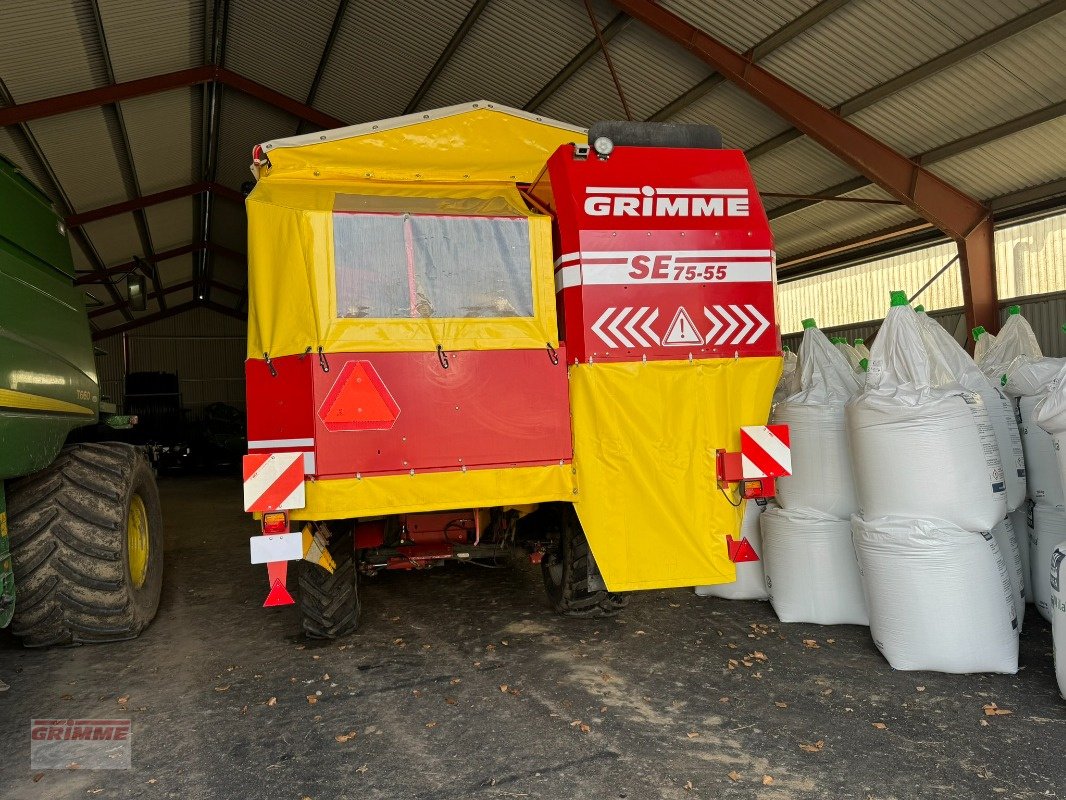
(359, 401)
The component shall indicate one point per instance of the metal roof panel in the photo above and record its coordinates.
(151, 37)
(165, 156)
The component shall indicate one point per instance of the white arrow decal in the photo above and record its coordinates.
(596, 327)
(630, 327)
(646, 327)
(730, 321)
(613, 327)
(764, 323)
(717, 323)
(748, 324)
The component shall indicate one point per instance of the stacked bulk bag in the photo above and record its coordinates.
(851, 355)
(1034, 381)
(750, 583)
(982, 340)
(922, 445)
(1058, 614)
(938, 595)
(1000, 409)
(811, 573)
(861, 349)
(786, 384)
(1047, 529)
(1010, 550)
(931, 488)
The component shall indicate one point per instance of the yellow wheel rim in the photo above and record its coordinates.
(137, 536)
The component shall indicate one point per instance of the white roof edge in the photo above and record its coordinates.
(411, 119)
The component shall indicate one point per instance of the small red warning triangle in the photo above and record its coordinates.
(741, 551)
(279, 596)
(358, 401)
(683, 330)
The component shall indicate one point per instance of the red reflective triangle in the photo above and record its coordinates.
(279, 596)
(358, 401)
(741, 551)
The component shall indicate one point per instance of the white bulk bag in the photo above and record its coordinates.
(1010, 543)
(786, 384)
(1048, 529)
(861, 348)
(821, 460)
(1000, 409)
(939, 596)
(1020, 522)
(1042, 473)
(1058, 614)
(1015, 342)
(982, 341)
(811, 573)
(851, 355)
(750, 584)
(921, 445)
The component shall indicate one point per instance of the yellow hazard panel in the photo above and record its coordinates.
(292, 281)
(645, 436)
(435, 491)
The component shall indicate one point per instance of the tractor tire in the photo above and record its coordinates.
(565, 573)
(329, 604)
(87, 547)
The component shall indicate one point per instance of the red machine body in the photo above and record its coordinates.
(391, 413)
(640, 274)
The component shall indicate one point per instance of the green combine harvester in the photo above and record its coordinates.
(81, 548)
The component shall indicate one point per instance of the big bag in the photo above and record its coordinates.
(750, 583)
(921, 445)
(939, 596)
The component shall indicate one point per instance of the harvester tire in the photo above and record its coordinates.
(87, 547)
(565, 571)
(329, 603)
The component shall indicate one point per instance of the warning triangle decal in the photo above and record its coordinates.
(358, 401)
(682, 330)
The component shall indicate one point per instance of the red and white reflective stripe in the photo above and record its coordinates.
(765, 451)
(273, 481)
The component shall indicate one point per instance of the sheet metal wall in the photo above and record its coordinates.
(1030, 260)
(204, 348)
(1046, 313)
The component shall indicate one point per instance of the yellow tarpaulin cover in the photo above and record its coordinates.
(436, 491)
(457, 158)
(645, 437)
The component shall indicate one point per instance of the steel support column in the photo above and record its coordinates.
(966, 220)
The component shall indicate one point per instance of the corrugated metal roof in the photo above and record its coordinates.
(81, 149)
(739, 25)
(50, 49)
(294, 55)
(229, 226)
(175, 270)
(743, 121)
(651, 69)
(115, 238)
(1020, 75)
(1028, 158)
(800, 167)
(173, 40)
(863, 44)
(165, 156)
(245, 122)
(497, 60)
(171, 224)
(15, 149)
(382, 54)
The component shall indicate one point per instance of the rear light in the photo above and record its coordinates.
(276, 522)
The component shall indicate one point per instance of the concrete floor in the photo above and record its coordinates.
(462, 684)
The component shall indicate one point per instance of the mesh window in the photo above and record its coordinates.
(402, 266)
